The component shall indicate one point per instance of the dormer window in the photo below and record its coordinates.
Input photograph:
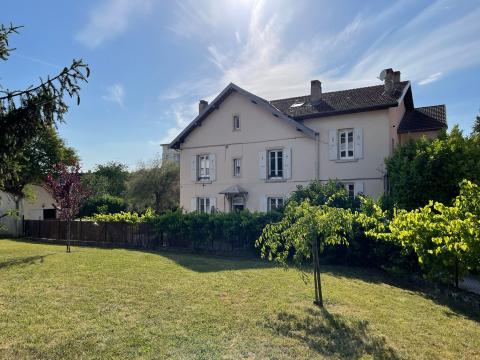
(236, 122)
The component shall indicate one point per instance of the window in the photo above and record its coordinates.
(275, 164)
(236, 122)
(238, 203)
(346, 147)
(203, 204)
(275, 203)
(351, 190)
(203, 167)
(236, 167)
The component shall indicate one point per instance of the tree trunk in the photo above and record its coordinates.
(69, 224)
(316, 274)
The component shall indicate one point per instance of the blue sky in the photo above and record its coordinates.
(153, 60)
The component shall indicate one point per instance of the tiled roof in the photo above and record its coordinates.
(341, 102)
(424, 118)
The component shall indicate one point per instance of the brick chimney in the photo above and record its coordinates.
(389, 85)
(202, 105)
(315, 91)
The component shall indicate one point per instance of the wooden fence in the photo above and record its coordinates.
(115, 234)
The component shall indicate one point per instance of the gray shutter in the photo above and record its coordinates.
(213, 167)
(193, 204)
(213, 204)
(263, 204)
(287, 164)
(194, 168)
(262, 164)
(358, 187)
(358, 142)
(332, 145)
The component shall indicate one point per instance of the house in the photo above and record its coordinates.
(169, 154)
(38, 206)
(242, 151)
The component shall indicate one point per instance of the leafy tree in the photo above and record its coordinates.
(156, 185)
(425, 170)
(303, 233)
(116, 174)
(106, 204)
(66, 188)
(98, 184)
(446, 239)
(476, 125)
(24, 114)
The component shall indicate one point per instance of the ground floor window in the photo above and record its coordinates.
(275, 203)
(350, 189)
(238, 203)
(203, 204)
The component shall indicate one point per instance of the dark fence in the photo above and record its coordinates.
(116, 234)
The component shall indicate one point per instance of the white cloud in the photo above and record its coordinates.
(424, 48)
(115, 94)
(430, 79)
(182, 114)
(109, 19)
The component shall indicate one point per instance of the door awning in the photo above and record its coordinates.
(234, 190)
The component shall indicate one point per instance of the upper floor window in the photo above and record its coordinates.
(236, 167)
(203, 167)
(275, 203)
(346, 144)
(275, 164)
(236, 122)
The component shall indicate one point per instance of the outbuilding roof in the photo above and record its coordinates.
(424, 119)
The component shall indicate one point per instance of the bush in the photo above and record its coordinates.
(106, 204)
(124, 217)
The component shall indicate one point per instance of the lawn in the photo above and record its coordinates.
(103, 303)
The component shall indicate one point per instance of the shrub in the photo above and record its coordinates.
(106, 204)
(124, 217)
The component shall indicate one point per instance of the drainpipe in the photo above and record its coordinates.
(317, 156)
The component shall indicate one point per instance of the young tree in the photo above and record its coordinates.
(156, 186)
(303, 233)
(66, 188)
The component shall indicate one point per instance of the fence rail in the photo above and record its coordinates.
(115, 234)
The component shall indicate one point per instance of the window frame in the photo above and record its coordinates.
(346, 133)
(350, 187)
(206, 176)
(279, 174)
(234, 160)
(277, 200)
(203, 205)
(235, 122)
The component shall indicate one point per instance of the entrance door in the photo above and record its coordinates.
(238, 203)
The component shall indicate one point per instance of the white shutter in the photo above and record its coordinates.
(263, 204)
(332, 145)
(193, 204)
(213, 167)
(262, 164)
(213, 204)
(358, 187)
(287, 163)
(358, 136)
(194, 168)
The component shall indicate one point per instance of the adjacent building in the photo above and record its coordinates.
(243, 151)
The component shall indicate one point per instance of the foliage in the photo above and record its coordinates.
(116, 175)
(124, 217)
(98, 184)
(446, 239)
(155, 185)
(476, 125)
(66, 188)
(425, 170)
(106, 204)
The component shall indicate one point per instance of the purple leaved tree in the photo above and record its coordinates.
(65, 186)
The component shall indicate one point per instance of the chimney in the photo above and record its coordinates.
(389, 85)
(202, 105)
(396, 78)
(315, 91)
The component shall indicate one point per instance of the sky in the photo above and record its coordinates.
(152, 61)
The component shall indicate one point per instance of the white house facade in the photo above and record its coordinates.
(243, 151)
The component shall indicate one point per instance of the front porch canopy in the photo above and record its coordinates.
(234, 190)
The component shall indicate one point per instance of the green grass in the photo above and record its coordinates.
(102, 303)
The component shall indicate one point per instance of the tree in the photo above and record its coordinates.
(156, 185)
(303, 233)
(116, 174)
(66, 188)
(25, 113)
(476, 125)
(446, 239)
(424, 170)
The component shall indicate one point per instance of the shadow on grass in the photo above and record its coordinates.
(439, 294)
(22, 261)
(331, 334)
